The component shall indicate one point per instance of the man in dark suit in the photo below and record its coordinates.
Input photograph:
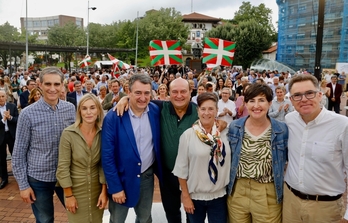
(335, 94)
(131, 153)
(89, 87)
(8, 123)
(63, 96)
(24, 97)
(78, 93)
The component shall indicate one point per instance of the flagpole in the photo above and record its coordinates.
(136, 42)
(26, 35)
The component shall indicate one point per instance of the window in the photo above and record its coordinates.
(312, 48)
(198, 34)
(193, 36)
(37, 23)
(44, 23)
(327, 48)
(56, 22)
(50, 22)
(299, 61)
(302, 8)
(289, 36)
(299, 49)
(300, 36)
(328, 34)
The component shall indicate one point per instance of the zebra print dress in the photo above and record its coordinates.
(256, 157)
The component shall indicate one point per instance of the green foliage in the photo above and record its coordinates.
(251, 39)
(261, 14)
(68, 35)
(164, 24)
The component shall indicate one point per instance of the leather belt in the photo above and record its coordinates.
(313, 197)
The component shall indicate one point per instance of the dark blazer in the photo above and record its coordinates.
(93, 92)
(24, 98)
(338, 92)
(73, 94)
(12, 124)
(120, 157)
(72, 100)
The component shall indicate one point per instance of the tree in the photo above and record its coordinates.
(164, 24)
(68, 35)
(8, 33)
(250, 37)
(261, 14)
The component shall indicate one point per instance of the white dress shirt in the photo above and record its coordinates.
(2, 111)
(318, 154)
(230, 105)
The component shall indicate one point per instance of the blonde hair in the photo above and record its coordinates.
(85, 98)
(32, 94)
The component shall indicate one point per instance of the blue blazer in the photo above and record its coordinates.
(120, 157)
(73, 94)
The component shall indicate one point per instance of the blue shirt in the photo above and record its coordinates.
(35, 152)
(279, 144)
(143, 138)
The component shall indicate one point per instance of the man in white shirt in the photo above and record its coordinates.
(227, 108)
(318, 157)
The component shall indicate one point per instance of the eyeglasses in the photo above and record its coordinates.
(307, 94)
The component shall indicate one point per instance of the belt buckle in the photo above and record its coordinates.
(307, 197)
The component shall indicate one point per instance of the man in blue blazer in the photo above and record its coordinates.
(24, 97)
(131, 153)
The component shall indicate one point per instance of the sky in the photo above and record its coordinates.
(109, 11)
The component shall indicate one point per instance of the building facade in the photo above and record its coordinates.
(297, 32)
(40, 25)
(199, 24)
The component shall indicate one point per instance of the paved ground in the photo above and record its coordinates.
(13, 210)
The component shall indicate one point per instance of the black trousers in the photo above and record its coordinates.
(335, 105)
(171, 197)
(8, 141)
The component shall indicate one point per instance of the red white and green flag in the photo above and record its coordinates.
(119, 63)
(85, 62)
(219, 52)
(165, 52)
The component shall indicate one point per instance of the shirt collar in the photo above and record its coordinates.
(3, 106)
(172, 110)
(131, 113)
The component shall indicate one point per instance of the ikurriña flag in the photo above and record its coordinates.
(85, 62)
(165, 52)
(218, 51)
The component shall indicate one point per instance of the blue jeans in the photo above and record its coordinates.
(118, 213)
(43, 208)
(215, 209)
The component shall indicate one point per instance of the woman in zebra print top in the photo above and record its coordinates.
(259, 150)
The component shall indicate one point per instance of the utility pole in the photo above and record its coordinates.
(319, 44)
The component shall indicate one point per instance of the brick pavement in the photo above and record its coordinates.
(14, 210)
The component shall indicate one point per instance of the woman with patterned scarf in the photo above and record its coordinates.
(203, 165)
(259, 152)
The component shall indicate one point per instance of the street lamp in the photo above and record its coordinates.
(93, 8)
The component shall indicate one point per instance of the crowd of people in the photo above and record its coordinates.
(229, 145)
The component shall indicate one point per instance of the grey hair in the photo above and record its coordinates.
(144, 79)
(51, 70)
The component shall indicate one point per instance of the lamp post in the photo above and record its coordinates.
(93, 8)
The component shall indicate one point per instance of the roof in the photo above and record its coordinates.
(272, 49)
(199, 17)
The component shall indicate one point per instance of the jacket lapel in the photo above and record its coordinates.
(129, 131)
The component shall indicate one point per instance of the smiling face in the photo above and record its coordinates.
(89, 112)
(258, 107)
(37, 96)
(51, 87)
(179, 93)
(139, 96)
(207, 112)
(308, 108)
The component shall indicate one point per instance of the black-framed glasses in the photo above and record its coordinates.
(307, 94)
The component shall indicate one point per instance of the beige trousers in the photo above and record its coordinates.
(297, 210)
(253, 202)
